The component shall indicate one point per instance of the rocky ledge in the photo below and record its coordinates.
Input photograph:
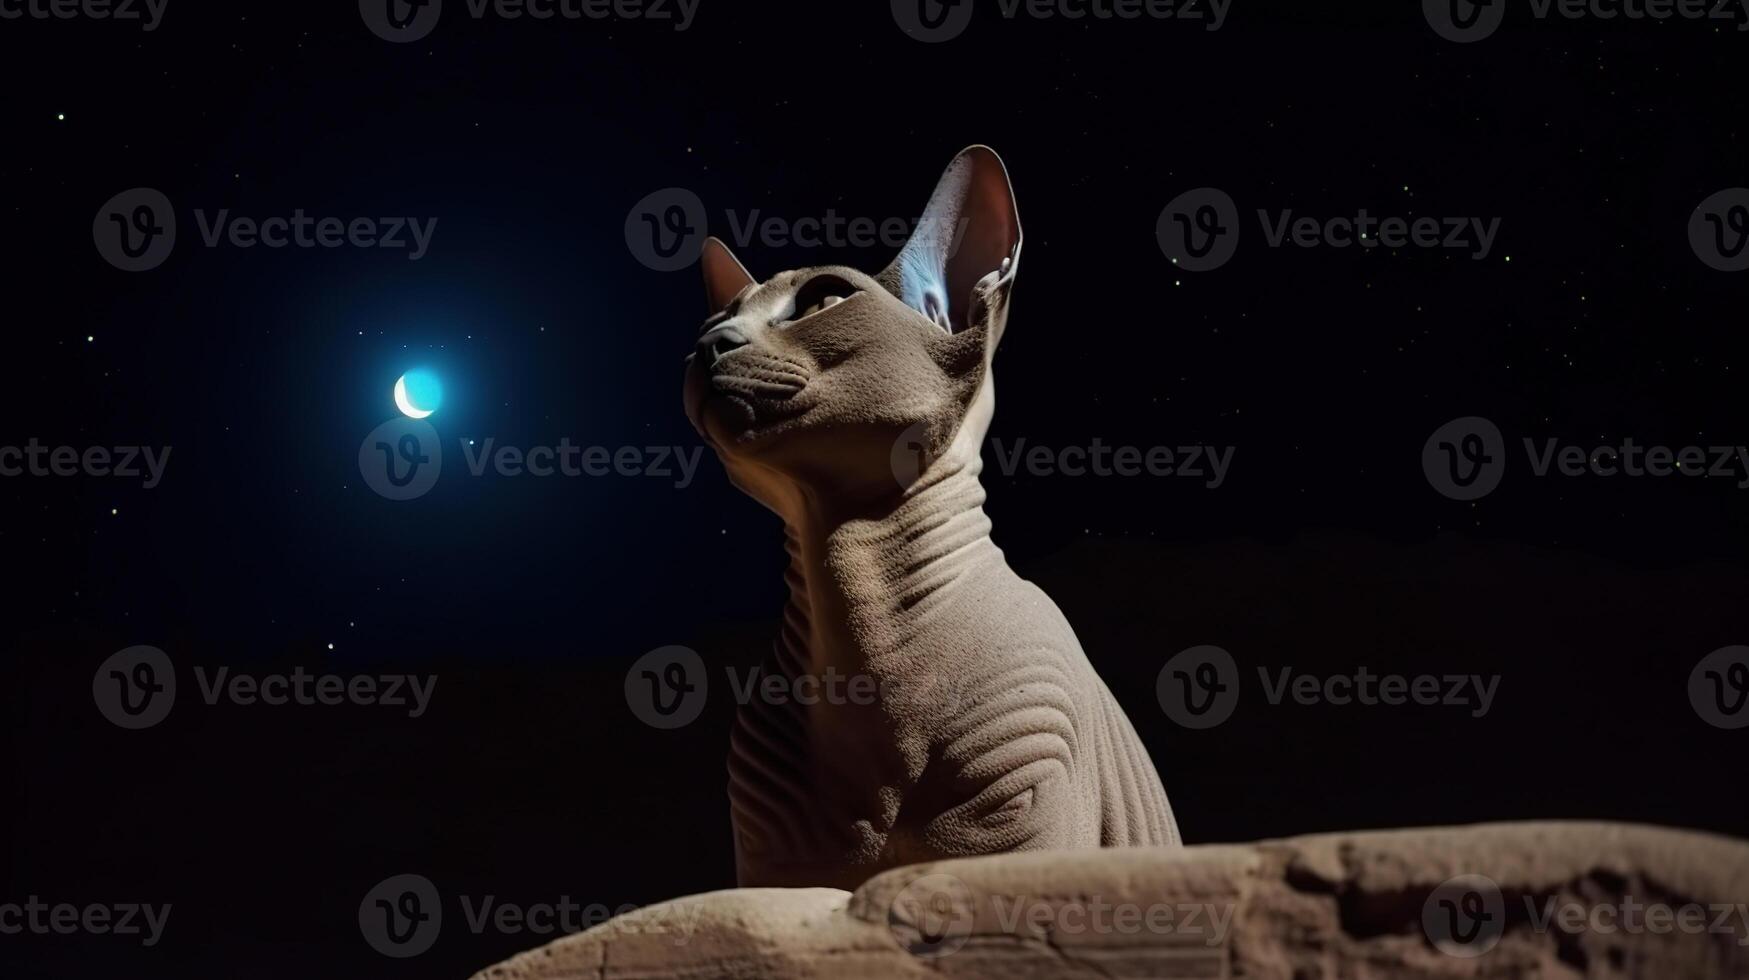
(1543, 900)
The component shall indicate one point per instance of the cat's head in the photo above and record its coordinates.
(811, 380)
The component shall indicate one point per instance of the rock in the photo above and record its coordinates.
(1541, 900)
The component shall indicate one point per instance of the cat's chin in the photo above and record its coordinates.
(731, 423)
(727, 416)
(721, 417)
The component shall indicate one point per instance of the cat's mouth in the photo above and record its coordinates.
(741, 392)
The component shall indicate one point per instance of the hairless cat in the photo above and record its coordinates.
(854, 407)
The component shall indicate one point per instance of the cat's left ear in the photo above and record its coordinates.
(724, 275)
(958, 268)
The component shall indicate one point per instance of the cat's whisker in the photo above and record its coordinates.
(784, 369)
(756, 386)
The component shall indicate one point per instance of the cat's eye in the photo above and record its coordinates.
(820, 293)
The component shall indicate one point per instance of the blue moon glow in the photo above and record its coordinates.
(418, 394)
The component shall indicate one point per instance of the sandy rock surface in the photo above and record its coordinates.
(1544, 900)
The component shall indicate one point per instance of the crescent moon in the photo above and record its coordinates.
(404, 403)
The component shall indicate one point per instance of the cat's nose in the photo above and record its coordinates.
(719, 341)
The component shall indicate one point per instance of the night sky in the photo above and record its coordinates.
(1592, 319)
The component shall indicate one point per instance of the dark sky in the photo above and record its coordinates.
(1590, 321)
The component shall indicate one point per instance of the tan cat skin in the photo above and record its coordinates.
(854, 407)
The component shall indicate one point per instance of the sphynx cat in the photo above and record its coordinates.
(854, 406)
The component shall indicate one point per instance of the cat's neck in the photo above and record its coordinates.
(863, 585)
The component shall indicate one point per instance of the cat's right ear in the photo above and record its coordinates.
(958, 268)
(724, 275)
